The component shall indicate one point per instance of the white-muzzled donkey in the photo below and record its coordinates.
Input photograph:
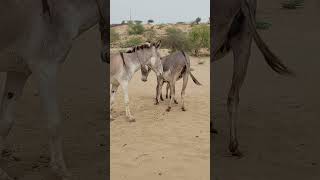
(124, 65)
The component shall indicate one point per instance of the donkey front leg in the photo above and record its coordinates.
(47, 76)
(13, 87)
(124, 86)
(158, 90)
(172, 93)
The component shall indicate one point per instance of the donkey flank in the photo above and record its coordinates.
(124, 65)
(49, 30)
(234, 28)
(175, 67)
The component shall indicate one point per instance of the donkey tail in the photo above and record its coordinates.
(194, 79)
(188, 69)
(272, 60)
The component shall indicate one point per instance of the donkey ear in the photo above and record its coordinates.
(158, 44)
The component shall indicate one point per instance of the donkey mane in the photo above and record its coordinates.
(140, 47)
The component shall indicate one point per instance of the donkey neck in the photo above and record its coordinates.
(132, 61)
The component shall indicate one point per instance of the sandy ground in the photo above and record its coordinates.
(279, 117)
(162, 145)
(82, 95)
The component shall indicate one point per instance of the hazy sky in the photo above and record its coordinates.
(161, 11)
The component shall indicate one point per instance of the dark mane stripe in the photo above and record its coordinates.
(139, 47)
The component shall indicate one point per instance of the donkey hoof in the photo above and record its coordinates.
(166, 96)
(161, 98)
(175, 101)
(62, 172)
(214, 131)
(131, 119)
(156, 103)
(233, 147)
(168, 109)
(183, 109)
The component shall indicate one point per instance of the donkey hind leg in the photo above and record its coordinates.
(172, 93)
(160, 90)
(241, 51)
(13, 87)
(113, 91)
(183, 91)
(124, 86)
(167, 89)
(161, 98)
(46, 73)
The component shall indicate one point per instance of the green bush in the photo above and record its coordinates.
(150, 35)
(114, 36)
(199, 37)
(176, 39)
(134, 41)
(135, 28)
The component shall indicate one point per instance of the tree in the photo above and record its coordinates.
(199, 37)
(135, 28)
(198, 20)
(176, 39)
(150, 21)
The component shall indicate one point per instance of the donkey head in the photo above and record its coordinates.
(149, 57)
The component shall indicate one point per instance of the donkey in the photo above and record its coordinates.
(36, 37)
(233, 29)
(175, 67)
(124, 65)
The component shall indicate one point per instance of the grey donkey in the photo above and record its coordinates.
(124, 65)
(233, 30)
(175, 67)
(36, 37)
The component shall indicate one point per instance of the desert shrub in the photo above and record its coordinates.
(180, 22)
(161, 26)
(176, 39)
(138, 22)
(133, 41)
(123, 22)
(150, 35)
(114, 36)
(292, 4)
(135, 28)
(150, 21)
(199, 37)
